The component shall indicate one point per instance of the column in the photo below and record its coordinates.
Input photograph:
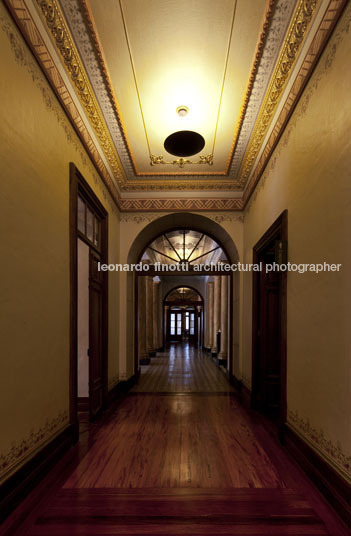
(209, 315)
(149, 317)
(216, 310)
(223, 354)
(142, 352)
(155, 314)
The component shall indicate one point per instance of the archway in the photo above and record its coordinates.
(167, 224)
(183, 315)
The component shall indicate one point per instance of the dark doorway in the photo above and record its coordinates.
(184, 307)
(269, 325)
(88, 225)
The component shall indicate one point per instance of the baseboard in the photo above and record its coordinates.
(121, 388)
(221, 362)
(246, 396)
(335, 489)
(17, 487)
(233, 380)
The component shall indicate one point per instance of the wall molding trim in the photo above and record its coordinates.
(121, 388)
(29, 445)
(327, 449)
(17, 486)
(329, 482)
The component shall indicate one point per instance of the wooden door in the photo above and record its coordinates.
(269, 324)
(268, 334)
(95, 335)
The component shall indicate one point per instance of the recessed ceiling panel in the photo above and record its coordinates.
(163, 55)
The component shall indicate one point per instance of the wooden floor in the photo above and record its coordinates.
(186, 460)
(177, 441)
(169, 512)
(183, 368)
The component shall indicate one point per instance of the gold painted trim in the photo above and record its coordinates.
(33, 38)
(181, 162)
(53, 18)
(320, 39)
(256, 62)
(93, 34)
(295, 36)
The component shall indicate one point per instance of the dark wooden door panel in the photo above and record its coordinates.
(269, 326)
(95, 336)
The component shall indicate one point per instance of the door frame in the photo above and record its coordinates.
(277, 231)
(79, 186)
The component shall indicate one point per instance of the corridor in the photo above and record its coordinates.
(172, 457)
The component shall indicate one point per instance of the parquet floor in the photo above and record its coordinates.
(179, 455)
(184, 368)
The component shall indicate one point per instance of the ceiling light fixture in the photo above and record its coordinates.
(184, 143)
(182, 111)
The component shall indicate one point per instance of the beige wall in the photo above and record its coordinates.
(36, 145)
(309, 174)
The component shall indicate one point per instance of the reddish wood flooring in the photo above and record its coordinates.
(176, 441)
(179, 512)
(176, 464)
(184, 368)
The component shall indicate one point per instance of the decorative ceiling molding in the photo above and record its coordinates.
(326, 26)
(57, 27)
(175, 205)
(279, 22)
(28, 28)
(253, 120)
(88, 44)
(291, 48)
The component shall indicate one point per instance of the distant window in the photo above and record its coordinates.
(89, 226)
(173, 324)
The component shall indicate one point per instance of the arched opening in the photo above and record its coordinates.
(183, 316)
(174, 239)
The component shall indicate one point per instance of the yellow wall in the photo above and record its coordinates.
(36, 145)
(309, 174)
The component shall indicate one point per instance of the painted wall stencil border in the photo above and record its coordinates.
(177, 205)
(34, 40)
(332, 452)
(21, 450)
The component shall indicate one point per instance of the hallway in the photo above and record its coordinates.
(163, 462)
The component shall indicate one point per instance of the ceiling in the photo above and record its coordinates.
(121, 68)
(161, 54)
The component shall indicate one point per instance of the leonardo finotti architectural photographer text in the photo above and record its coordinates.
(221, 267)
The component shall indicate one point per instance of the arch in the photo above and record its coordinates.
(184, 220)
(185, 286)
(168, 223)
